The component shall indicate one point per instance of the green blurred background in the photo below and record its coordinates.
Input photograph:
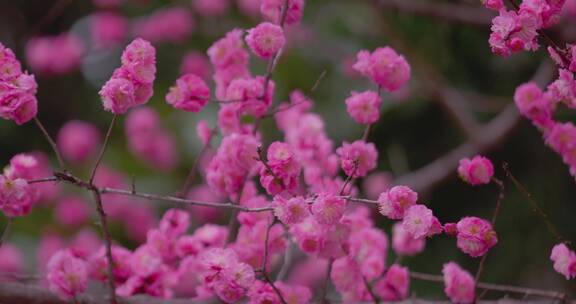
(414, 129)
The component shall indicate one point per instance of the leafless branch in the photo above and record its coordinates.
(444, 11)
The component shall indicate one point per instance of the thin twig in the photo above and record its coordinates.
(366, 132)
(5, 231)
(551, 228)
(323, 297)
(51, 142)
(108, 244)
(444, 11)
(349, 178)
(71, 179)
(55, 11)
(501, 192)
(265, 262)
(493, 287)
(370, 290)
(103, 149)
(272, 64)
(499, 200)
(490, 135)
(318, 80)
(192, 174)
(287, 262)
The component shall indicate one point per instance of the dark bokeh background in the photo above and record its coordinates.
(414, 129)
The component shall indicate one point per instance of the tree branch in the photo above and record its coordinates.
(490, 135)
(51, 142)
(444, 11)
(494, 287)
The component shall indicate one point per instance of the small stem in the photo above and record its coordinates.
(366, 132)
(318, 80)
(103, 149)
(370, 290)
(107, 242)
(349, 178)
(493, 287)
(323, 297)
(266, 240)
(265, 262)
(287, 263)
(51, 142)
(6, 230)
(499, 200)
(192, 174)
(276, 290)
(540, 211)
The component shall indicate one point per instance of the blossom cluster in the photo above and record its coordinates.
(131, 84)
(539, 107)
(514, 31)
(17, 89)
(17, 196)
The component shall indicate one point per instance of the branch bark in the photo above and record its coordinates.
(467, 14)
(489, 136)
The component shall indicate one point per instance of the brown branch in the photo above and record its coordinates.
(536, 207)
(102, 214)
(265, 262)
(370, 290)
(5, 230)
(490, 135)
(494, 287)
(29, 293)
(108, 244)
(499, 200)
(51, 142)
(323, 297)
(192, 174)
(103, 149)
(55, 11)
(444, 11)
(272, 63)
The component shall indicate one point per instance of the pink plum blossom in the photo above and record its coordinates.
(364, 107)
(358, 158)
(189, 94)
(458, 283)
(394, 285)
(403, 243)
(564, 261)
(291, 211)
(420, 222)
(17, 89)
(131, 84)
(328, 209)
(15, 196)
(476, 171)
(394, 202)
(384, 67)
(475, 236)
(67, 275)
(266, 39)
(272, 9)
